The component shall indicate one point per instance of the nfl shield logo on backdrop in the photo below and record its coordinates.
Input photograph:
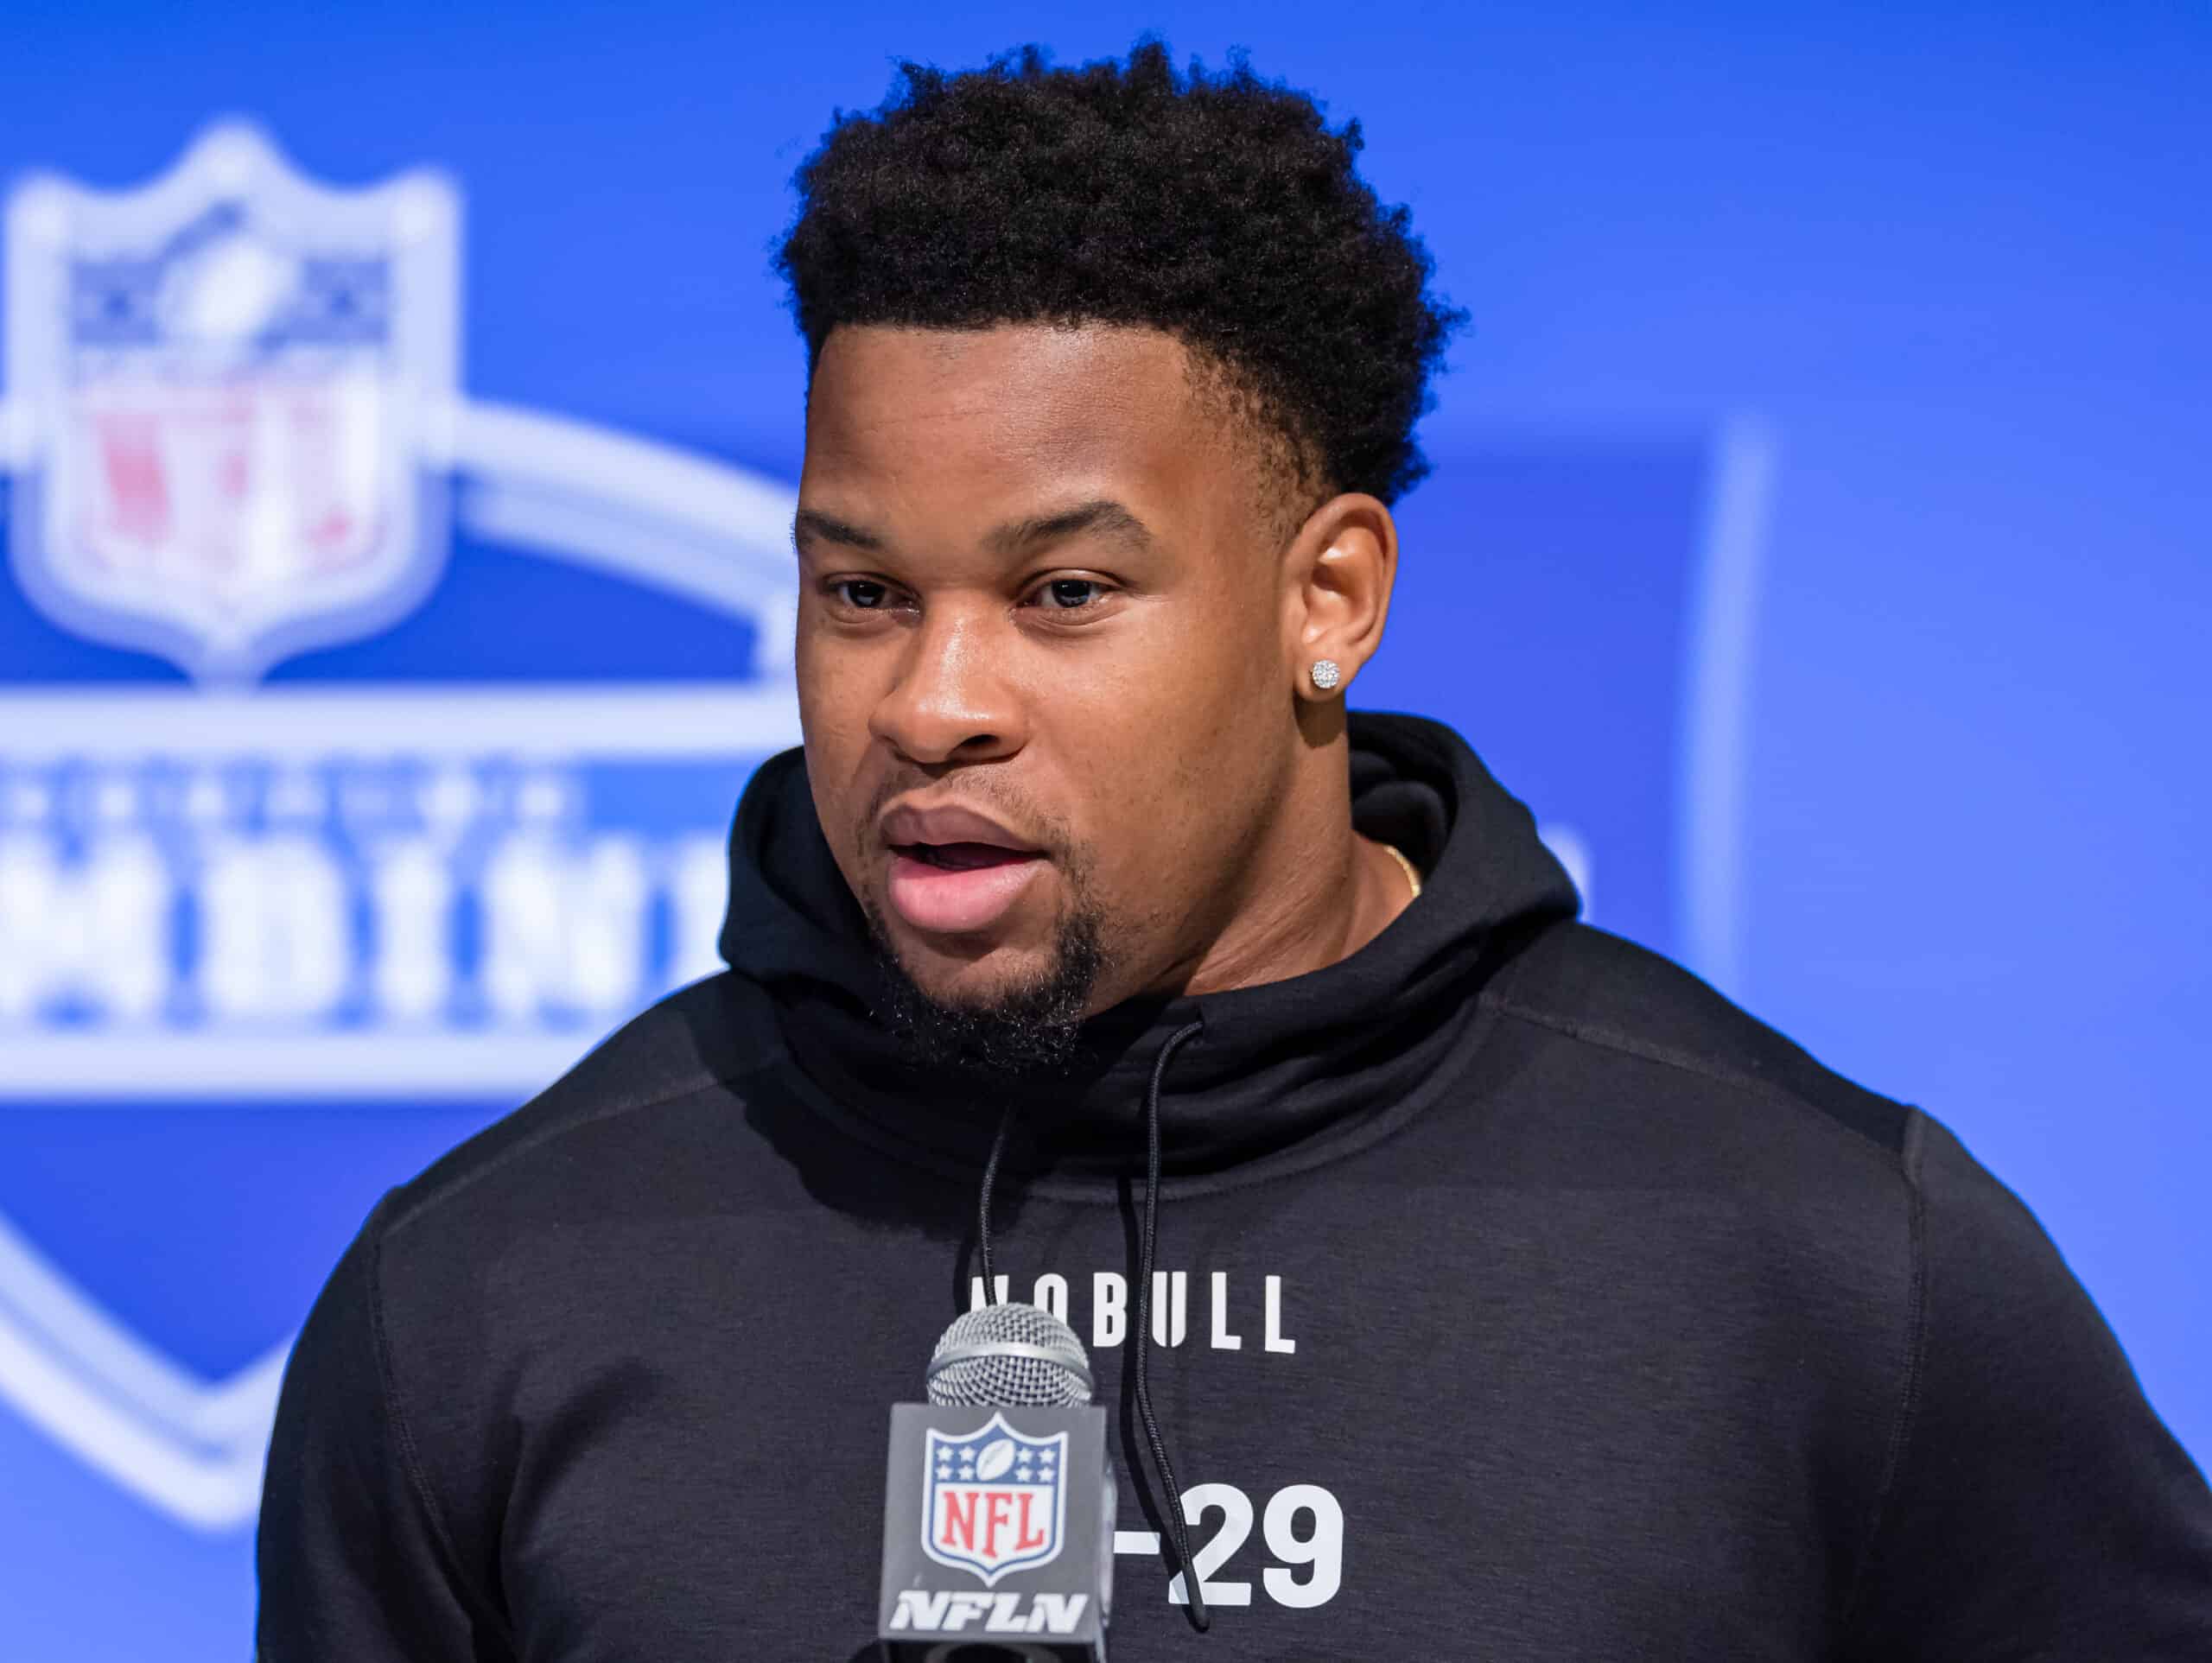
(229, 391)
(994, 1499)
(231, 433)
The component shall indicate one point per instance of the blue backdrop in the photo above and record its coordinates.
(1818, 541)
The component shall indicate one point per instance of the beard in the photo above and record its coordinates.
(1028, 1029)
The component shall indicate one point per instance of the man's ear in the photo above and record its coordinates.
(1336, 579)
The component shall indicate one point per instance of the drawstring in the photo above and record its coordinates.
(984, 1203)
(1141, 1346)
(1172, 1494)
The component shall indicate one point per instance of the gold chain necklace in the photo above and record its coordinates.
(1406, 866)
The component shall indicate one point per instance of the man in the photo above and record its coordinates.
(1523, 1300)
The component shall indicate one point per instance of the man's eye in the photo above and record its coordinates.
(1069, 594)
(863, 593)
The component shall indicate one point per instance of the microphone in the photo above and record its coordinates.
(998, 1507)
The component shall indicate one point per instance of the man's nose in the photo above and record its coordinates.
(950, 702)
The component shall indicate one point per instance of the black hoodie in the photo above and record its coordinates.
(1519, 1297)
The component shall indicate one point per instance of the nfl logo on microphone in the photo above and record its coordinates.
(1006, 1542)
(996, 1502)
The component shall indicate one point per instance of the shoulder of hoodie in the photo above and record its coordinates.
(1629, 1009)
(682, 1055)
(1842, 1168)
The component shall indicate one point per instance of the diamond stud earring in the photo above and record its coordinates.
(1326, 674)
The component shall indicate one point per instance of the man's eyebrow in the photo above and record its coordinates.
(1103, 516)
(812, 524)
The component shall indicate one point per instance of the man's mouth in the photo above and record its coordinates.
(962, 857)
(955, 871)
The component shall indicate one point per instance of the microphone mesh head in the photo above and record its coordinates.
(1009, 1356)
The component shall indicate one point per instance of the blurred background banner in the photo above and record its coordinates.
(398, 427)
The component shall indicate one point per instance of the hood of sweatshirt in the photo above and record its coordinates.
(1286, 1063)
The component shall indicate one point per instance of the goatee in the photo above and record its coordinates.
(1028, 1029)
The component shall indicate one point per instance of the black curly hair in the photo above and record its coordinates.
(1219, 208)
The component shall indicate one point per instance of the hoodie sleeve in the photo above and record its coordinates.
(2037, 1508)
(353, 1562)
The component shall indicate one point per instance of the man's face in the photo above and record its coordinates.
(1041, 652)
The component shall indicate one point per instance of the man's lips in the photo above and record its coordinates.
(950, 823)
(955, 871)
(955, 888)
